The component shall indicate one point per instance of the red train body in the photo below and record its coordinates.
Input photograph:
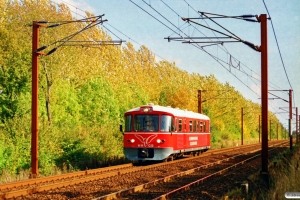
(154, 132)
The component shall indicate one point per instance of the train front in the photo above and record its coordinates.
(147, 133)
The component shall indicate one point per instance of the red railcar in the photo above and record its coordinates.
(154, 132)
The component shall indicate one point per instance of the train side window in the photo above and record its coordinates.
(204, 126)
(128, 124)
(191, 126)
(180, 125)
(166, 123)
(195, 125)
(201, 126)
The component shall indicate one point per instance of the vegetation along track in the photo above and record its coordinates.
(94, 183)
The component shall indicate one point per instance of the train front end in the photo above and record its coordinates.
(147, 134)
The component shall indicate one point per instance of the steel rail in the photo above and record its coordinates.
(199, 181)
(93, 171)
(61, 176)
(81, 175)
(138, 188)
(42, 188)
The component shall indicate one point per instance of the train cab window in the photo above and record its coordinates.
(166, 123)
(191, 126)
(180, 125)
(194, 126)
(145, 123)
(128, 123)
(204, 126)
(201, 126)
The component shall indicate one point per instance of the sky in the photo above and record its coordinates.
(149, 22)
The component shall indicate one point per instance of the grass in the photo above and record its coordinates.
(7, 176)
(284, 176)
(231, 143)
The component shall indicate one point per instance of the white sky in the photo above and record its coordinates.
(142, 28)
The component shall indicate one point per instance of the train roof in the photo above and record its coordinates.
(174, 111)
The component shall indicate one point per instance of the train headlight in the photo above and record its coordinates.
(131, 141)
(159, 141)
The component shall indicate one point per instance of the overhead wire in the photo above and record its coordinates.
(279, 49)
(134, 40)
(72, 6)
(270, 83)
(229, 63)
(199, 47)
(214, 57)
(217, 59)
(146, 12)
(152, 15)
(164, 3)
(66, 39)
(85, 17)
(226, 50)
(111, 32)
(131, 39)
(207, 25)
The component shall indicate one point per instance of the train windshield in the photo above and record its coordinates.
(144, 123)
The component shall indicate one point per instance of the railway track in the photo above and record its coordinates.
(108, 180)
(169, 186)
(231, 177)
(30, 186)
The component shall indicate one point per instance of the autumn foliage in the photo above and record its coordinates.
(84, 92)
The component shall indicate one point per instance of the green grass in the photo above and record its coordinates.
(284, 176)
